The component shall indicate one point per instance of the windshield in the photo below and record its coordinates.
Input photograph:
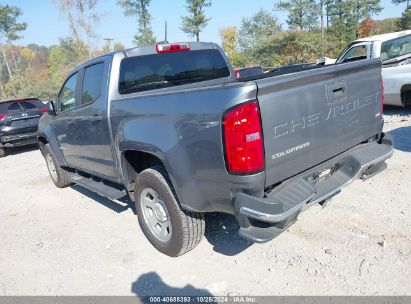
(396, 47)
(142, 73)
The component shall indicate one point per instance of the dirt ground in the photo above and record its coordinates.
(74, 242)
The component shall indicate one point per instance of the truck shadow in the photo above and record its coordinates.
(222, 233)
(400, 111)
(221, 229)
(150, 285)
(402, 138)
(22, 149)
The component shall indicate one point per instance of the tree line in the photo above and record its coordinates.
(315, 28)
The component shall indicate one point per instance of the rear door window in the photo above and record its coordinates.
(92, 83)
(142, 73)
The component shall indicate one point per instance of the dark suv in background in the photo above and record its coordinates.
(18, 122)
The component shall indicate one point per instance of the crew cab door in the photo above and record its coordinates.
(90, 118)
(63, 125)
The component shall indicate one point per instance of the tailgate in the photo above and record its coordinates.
(311, 116)
(23, 122)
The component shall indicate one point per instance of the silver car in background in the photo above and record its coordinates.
(395, 52)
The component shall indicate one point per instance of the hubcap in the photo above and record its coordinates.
(155, 214)
(51, 167)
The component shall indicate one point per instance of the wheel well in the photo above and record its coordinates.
(406, 94)
(135, 162)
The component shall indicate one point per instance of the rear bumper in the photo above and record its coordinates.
(14, 140)
(262, 219)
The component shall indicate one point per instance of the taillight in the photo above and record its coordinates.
(44, 110)
(237, 73)
(243, 139)
(382, 95)
(172, 47)
(3, 117)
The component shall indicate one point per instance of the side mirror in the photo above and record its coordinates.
(51, 109)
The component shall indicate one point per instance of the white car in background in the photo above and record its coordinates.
(395, 52)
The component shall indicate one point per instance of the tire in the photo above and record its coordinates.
(2, 152)
(55, 170)
(184, 229)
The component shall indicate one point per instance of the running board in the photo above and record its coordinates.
(95, 186)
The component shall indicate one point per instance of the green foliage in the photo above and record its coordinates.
(346, 16)
(386, 26)
(139, 8)
(302, 14)
(229, 42)
(404, 23)
(196, 21)
(289, 47)
(9, 31)
(40, 71)
(118, 46)
(298, 46)
(258, 28)
(367, 8)
(9, 27)
(107, 48)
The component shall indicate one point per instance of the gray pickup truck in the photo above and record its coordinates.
(171, 126)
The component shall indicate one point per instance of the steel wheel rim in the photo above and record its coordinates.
(51, 167)
(155, 214)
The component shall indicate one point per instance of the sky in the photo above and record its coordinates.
(46, 24)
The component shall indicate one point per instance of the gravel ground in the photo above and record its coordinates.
(74, 242)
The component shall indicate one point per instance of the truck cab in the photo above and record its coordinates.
(394, 49)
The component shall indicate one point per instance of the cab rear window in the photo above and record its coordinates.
(396, 47)
(143, 73)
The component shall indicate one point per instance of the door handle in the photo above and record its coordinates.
(336, 91)
(97, 118)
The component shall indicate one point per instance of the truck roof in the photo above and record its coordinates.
(384, 37)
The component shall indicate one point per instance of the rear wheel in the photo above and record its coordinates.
(169, 229)
(2, 152)
(55, 170)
